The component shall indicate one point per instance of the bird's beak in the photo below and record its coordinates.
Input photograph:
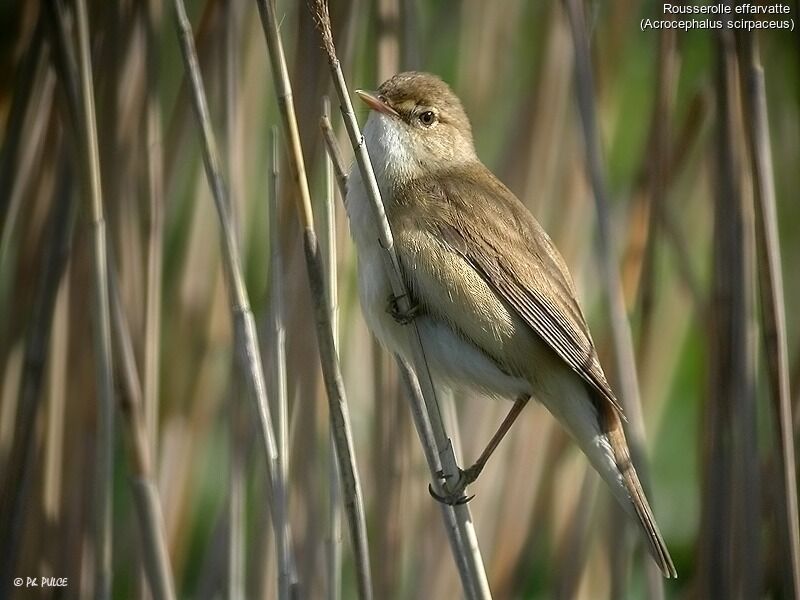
(371, 99)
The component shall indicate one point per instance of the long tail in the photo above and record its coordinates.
(597, 429)
(612, 427)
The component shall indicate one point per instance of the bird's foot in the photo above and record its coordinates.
(455, 496)
(403, 317)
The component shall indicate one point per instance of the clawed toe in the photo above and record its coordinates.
(403, 317)
(456, 496)
(455, 499)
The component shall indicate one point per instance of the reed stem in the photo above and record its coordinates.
(773, 312)
(143, 488)
(245, 338)
(339, 414)
(328, 226)
(624, 355)
(476, 584)
(278, 341)
(104, 466)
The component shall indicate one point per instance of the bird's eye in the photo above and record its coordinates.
(427, 118)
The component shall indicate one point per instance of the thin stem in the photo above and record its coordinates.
(423, 426)
(278, 341)
(729, 556)
(29, 107)
(476, 585)
(334, 154)
(624, 355)
(101, 317)
(143, 487)
(155, 233)
(24, 454)
(339, 414)
(658, 157)
(237, 419)
(244, 324)
(334, 493)
(773, 312)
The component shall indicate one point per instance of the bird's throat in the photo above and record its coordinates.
(392, 152)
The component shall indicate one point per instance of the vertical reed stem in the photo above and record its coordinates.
(476, 584)
(729, 557)
(244, 325)
(104, 473)
(278, 341)
(155, 233)
(339, 414)
(625, 363)
(145, 494)
(773, 312)
(334, 494)
(24, 455)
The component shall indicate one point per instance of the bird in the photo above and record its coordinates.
(492, 298)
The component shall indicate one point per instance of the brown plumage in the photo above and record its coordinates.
(498, 309)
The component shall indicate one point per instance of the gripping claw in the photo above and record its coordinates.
(403, 317)
(451, 500)
(456, 497)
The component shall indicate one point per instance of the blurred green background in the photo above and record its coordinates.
(545, 528)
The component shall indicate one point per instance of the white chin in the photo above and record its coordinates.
(389, 143)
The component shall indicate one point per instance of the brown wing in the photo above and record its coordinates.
(499, 238)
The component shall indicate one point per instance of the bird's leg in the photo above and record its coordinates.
(403, 317)
(456, 496)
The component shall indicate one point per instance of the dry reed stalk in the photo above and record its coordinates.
(334, 154)
(179, 119)
(773, 314)
(155, 226)
(328, 226)
(340, 421)
(236, 413)
(237, 430)
(658, 158)
(391, 431)
(145, 494)
(28, 71)
(459, 547)
(25, 451)
(474, 577)
(104, 465)
(30, 103)
(278, 389)
(244, 325)
(42, 134)
(729, 557)
(625, 363)
(620, 328)
(680, 150)
(452, 527)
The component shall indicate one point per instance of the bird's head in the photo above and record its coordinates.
(417, 125)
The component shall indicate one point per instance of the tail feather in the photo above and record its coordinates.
(597, 428)
(619, 446)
